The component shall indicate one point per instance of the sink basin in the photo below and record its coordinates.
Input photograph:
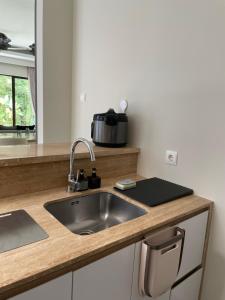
(92, 213)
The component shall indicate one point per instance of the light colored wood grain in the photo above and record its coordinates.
(33, 154)
(37, 175)
(64, 251)
(27, 178)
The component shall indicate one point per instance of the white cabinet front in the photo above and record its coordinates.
(189, 288)
(116, 276)
(109, 278)
(57, 289)
(195, 231)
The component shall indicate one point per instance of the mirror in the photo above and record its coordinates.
(17, 72)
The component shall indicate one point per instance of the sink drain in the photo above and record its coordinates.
(86, 232)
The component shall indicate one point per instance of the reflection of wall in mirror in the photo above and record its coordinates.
(20, 32)
(17, 60)
(18, 21)
(55, 73)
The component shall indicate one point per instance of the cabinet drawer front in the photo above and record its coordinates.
(57, 289)
(189, 288)
(195, 232)
(109, 278)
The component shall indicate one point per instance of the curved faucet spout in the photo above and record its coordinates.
(71, 177)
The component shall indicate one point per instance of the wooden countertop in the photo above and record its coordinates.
(64, 251)
(37, 153)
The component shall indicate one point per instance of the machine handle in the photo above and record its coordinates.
(111, 118)
(92, 130)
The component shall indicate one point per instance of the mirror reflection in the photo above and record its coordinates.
(17, 72)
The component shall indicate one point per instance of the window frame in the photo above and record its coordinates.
(14, 95)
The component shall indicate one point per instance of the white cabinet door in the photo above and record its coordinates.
(57, 289)
(188, 289)
(135, 287)
(195, 232)
(109, 278)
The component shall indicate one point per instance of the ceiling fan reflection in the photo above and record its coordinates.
(5, 44)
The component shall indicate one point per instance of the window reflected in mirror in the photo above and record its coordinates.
(17, 72)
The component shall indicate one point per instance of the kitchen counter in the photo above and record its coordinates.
(63, 251)
(36, 153)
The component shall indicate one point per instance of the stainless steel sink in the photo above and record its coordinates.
(92, 213)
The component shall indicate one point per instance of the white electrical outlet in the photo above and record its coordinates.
(171, 157)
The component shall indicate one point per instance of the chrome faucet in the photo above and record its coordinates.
(73, 184)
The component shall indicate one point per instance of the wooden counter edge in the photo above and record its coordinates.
(32, 282)
(46, 158)
(206, 245)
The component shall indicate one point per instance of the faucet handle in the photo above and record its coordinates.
(72, 186)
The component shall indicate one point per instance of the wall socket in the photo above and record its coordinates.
(171, 157)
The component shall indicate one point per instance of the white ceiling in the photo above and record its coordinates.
(17, 21)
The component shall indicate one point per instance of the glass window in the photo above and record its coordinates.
(6, 106)
(16, 107)
(24, 107)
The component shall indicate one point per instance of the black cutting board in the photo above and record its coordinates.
(155, 191)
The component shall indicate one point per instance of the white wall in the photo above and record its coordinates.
(168, 58)
(57, 70)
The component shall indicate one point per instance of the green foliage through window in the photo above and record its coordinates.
(24, 112)
(6, 112)
(24, 107)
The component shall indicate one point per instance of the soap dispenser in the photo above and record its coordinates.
(94, 181)
(82, 180)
